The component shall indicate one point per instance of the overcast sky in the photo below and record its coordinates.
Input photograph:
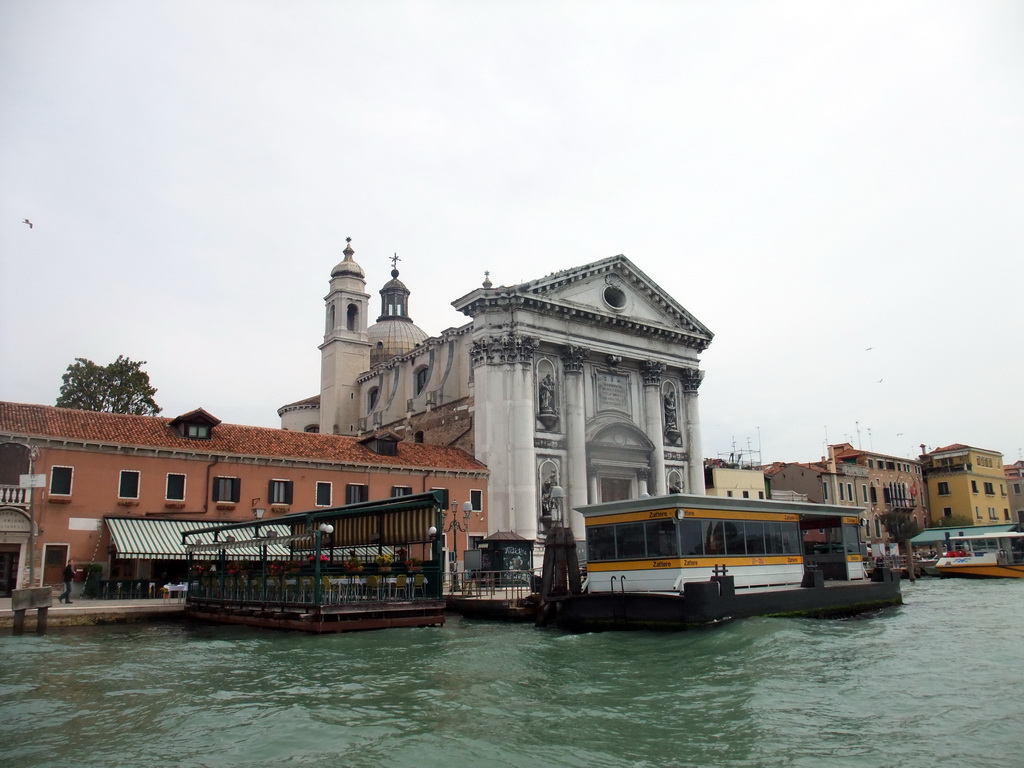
(835, 189)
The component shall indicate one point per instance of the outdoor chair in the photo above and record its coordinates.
(372, 586)
(402, 586)
(419, 582)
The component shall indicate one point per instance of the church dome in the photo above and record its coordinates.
(391, 337)
(394, 333)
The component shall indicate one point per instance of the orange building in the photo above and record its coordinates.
(94, 469)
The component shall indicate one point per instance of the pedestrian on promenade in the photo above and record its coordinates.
(69, 574)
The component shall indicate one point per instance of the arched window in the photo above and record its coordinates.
(330, 318)
(422, 375)
(371, 399)
(352, 318)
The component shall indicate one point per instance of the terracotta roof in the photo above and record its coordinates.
(231, 439)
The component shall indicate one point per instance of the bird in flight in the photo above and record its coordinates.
(26, 221)
(869, 349)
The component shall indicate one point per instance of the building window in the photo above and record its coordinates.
(175, 487)
(864, 493)
(197, 431)
(729, 494)
(312, 429)
(421, 380)
(842, 497)
(227, 489)
(323, 494)
(871, 463)
(977, 513)
(849, 492)
(372, 398)
(1006, 514)
(943, 489)
(824, 491)
(947, 511)
(476, 498)
(1016, 487)
(974, 486)
(356, 493)
(992, 514)
(280, 492)
(400, 490)
(990, 489)
(746, 494)
(874, 495)
(60, 481)
(760, 494)
(128, 487)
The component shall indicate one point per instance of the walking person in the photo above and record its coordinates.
(69, 574)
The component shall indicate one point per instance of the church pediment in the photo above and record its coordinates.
(612, 292)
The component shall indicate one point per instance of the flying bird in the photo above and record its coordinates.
(880, 381)
(26, 221)
(869, 349)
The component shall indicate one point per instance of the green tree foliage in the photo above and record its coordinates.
(120, 387)
(902, 527)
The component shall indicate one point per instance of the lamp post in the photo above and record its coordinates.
(455, 526)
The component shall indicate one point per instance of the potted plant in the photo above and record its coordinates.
(414, 565)
(384, 563)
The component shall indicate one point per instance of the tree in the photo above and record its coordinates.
(902, 527)
(120, 387)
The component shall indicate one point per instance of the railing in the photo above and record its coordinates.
(15, 495)
(493, 585)
(303, 589)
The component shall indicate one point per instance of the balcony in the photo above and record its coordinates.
(15, 496)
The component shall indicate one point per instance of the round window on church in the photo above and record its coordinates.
(615, 297)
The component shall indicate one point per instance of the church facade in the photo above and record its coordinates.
(575, 388)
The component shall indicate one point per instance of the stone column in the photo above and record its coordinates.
(517, 356)
(575, 471)
(691, 380)
(653, 423)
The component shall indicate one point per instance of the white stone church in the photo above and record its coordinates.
(582, 383)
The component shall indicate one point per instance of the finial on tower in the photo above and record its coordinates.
(394, 264)
(348, 249)
(487, 278)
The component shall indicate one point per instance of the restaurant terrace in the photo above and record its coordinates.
(369, 565)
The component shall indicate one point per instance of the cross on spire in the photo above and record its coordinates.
(394, 261)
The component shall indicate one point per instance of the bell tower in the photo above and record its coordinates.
(345, 352)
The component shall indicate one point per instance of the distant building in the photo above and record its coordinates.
(1014, 474)
(574, 388)
(732, 481)
(873, 483)
(967, 482)
(101, 470)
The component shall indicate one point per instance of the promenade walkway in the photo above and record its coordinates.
(85, 612)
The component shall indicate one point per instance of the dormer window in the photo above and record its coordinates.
(196, 425)
(382, 443)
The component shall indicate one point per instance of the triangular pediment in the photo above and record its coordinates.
(616, 287)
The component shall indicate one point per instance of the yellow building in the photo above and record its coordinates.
(721, 479)
(968, 483)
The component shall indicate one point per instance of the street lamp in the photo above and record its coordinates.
(455, 526)
(557, 494)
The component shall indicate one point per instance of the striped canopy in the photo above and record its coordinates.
(161, 539)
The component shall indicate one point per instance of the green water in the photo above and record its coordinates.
(936, 679)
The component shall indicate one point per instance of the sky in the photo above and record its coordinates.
(835, 189)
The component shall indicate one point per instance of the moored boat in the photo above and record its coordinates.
(984, 556)
(678, 561)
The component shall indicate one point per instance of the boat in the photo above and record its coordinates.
(681, 560)
(984, 556)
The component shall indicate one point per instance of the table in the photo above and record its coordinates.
(180, 589)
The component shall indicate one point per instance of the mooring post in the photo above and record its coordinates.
(39, 598)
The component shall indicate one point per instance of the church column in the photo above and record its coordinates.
(653, 425)
(575, 480)
(517, 354)
(691, 380)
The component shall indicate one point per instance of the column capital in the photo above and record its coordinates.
(652, 371)
(573, 358)
(507, 349)
(691, 380)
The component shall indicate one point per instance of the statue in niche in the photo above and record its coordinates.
(547, 394)
(548, 416)
(670, 410)
(672, 433)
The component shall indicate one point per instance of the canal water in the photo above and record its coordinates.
(938, 680)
